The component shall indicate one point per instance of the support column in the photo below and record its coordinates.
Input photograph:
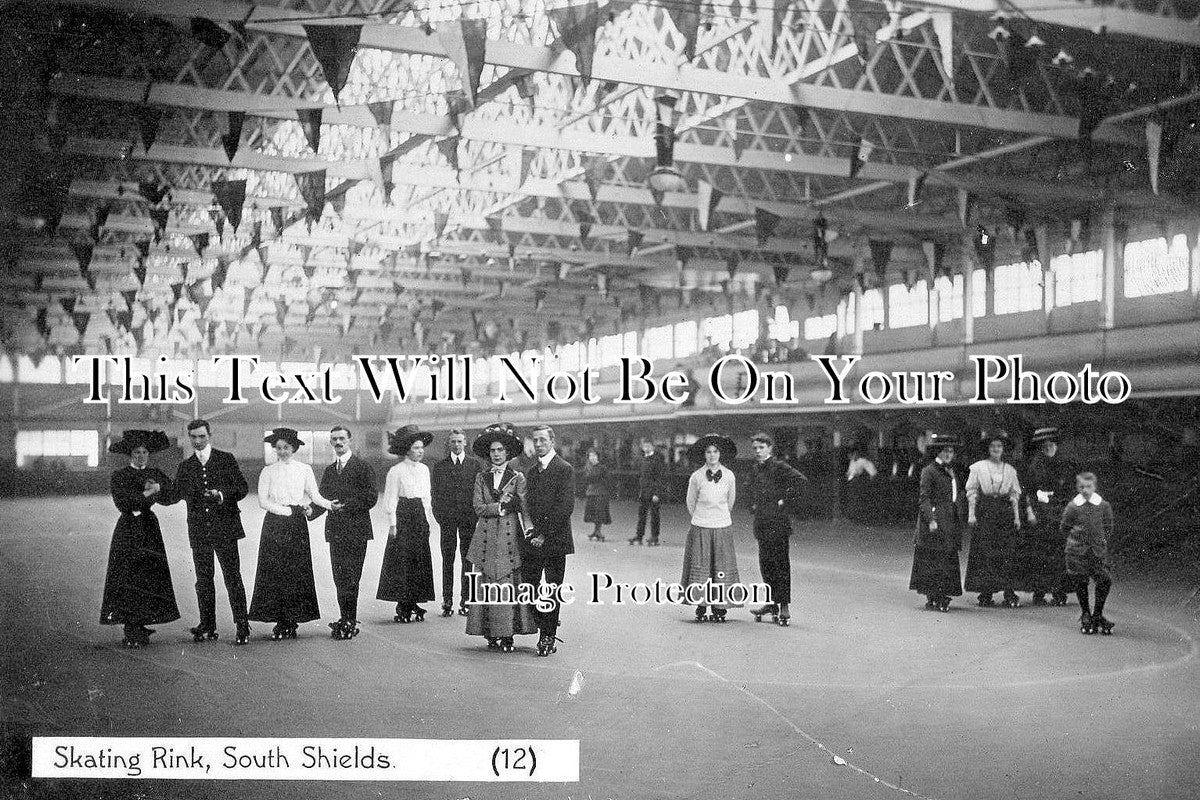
(858, 318)
(1110, 269)
(968, 273)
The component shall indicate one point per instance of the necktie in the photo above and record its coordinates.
(339, 466)
(714, 476)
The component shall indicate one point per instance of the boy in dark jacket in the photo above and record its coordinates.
(1088, 523)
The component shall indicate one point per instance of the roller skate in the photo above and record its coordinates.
(546, 645)
(1040, 600)
(931, 604)
(462, 610)
(243, 633)
(701, 613)
(1058, 599)
(1087, 625)
(506, 644)
(418, 614)
(278, 631)
(202, 633)
(135, 637)
(770, 608)
(717, 614)
(289, 630)
(653, 542)
(343, 629)
(447, 610)
(636, 540)
(1103, 626)
(784, 616)
(1012, 601)
(403, 613)
(985, 601)
(942, 604)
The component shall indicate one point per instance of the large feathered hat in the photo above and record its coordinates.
(1046, 434)
(724, 444)
(154, 441)
(500, 432)
(994, 436)
(400, 442)
(285, 434)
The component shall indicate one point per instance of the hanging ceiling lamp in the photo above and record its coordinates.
(665, 177)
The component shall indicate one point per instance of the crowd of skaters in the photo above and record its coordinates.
(505, 515)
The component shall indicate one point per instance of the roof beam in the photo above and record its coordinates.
(685, 78)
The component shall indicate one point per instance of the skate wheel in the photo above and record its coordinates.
(462, 612)
(758, 617)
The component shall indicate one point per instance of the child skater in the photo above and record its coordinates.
(1087, 523)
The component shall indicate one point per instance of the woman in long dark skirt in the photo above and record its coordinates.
(595, 476)
(495, 553)
(993, 495)
(936, 570)
(406, 578)
(285, 591)
(137, 584)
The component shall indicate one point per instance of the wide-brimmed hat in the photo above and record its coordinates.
(724, 444)
(1046, 434)
(938, 441)
(994, 435)
(400, 442)
(284, 434)
(154, 441)
(502, 432)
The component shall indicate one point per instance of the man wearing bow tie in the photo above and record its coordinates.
(551, 498)
(453, 485)
(774, 488)
(350, 483)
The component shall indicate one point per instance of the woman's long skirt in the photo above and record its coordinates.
(709, 555)
(284, 588)
(137, 584)
(1039, 562)
(596, 511)
(407, 573)
(990, 566)
(936, 572)
(496, 555)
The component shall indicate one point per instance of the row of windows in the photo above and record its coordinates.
(1154, 266)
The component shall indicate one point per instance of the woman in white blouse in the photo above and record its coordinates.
(993, 492)
(284, 589)
(406, 578)
(709, 558)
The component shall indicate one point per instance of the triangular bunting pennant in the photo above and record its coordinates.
(916, 185)
(199, 242)
(232, 139)
(81, 320)
(153, 191)
(83, 249)
(465, 42)
(633, 240)
(312, 191)
(527, 155)
(577, 26)
(277, 219)
(231, 196)
(881, 256)
(732, 261)
(765, 224)
(382, 112)
(686, 16)
(448, 147)
(149, 119)
(334, 47)
(707, 199)
(381, 175)
(220, 273)
(310, 123)
(440, 220)
(585, 228)
(139, 272)
(781, 271)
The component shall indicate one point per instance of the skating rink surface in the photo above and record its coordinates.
(865, 695)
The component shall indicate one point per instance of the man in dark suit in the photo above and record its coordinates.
(349, 482)
(774, 492)
(651, 487)
(551, 496)
(211, 483)
(453, 485)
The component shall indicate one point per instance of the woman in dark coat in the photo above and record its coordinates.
(936, 570)
(495, 553)
(137, 585)
(595, 476)
(993, 494)
(406, 578)
(285, 591)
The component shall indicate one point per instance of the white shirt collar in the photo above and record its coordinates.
(343, 459)
(1095, 500)
(205, 454)
(458, 459)
(546, 459)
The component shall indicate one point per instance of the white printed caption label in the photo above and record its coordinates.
(473, 760)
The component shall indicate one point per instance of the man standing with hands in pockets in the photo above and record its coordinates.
(551, 497)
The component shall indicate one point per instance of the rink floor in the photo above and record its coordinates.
(866, 695)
